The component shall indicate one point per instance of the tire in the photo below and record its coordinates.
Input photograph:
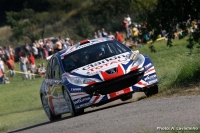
(152, 91)
(126, 97)
(47, 110)
(70, 104)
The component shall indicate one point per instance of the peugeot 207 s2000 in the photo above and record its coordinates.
(92, 73)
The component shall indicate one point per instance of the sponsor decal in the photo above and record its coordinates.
(76, 89)
(150, 77)
(80, 100)
(148, 65)
(83, 46)
(120, 92)
(153, 81)
(83, 105)
(104, 63)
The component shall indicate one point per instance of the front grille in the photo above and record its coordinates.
(116, 84)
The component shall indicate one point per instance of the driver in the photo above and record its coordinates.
(99, 53)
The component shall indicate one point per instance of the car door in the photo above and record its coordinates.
(58, 101)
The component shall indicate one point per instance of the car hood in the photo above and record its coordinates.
(104, 65)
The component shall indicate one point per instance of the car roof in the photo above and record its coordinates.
(83, 44)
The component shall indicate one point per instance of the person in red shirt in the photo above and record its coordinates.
(119, 37)
(10, 66)
(32, 61)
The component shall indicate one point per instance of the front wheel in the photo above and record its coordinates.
(70, 104)
(47, 110)
(152, 91)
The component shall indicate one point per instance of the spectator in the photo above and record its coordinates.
(66, 43)
(95, 35)
(104, 33)
(40, 51)
(35, 50)
(145, 36)
(48, 48)
(59, 45)
(61, 40)
(3, 78)
(32, 62)
(6, 53)
(43, 68)
(99, 35)
(2, 64)
(29, 73)
(128, 42)
(119, 37)
(28, 48)
(135, 34)
(125, 25)
(45, 52)
(10, 66)
(11, 52)
(128, 20)
(1, 51)
(23, 66)
(39, 71)
(111, 35)
(71, 42)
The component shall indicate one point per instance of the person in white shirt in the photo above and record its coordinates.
(128, 19)
(111, 35)
(35, 50)
(1, 64)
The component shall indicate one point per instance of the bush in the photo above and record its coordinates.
(83, 28)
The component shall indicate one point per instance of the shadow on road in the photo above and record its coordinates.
(38, 125)
(89, 110)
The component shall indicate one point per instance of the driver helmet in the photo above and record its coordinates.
(100, 49)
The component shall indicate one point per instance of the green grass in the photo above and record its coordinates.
(173, 65)
(20, 102)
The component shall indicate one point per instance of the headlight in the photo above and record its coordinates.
(81, 81)
(139, 61)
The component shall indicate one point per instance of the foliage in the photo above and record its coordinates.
(83, 28)
(168, 14)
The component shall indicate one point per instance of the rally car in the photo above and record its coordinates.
(92, 73)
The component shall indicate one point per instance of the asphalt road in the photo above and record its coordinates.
(148, 115)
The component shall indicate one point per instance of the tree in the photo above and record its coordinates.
(30, 24)
(169, 13)
(83, 28)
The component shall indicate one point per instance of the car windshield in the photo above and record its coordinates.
(92, 54)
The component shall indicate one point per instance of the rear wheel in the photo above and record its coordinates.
(70, 104)
(152, 91)
(48, 112)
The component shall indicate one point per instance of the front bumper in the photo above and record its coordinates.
(115, 84)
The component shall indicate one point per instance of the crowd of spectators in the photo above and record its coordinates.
(26, 56)
(135, 35)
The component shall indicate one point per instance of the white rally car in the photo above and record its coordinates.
(92, 73)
